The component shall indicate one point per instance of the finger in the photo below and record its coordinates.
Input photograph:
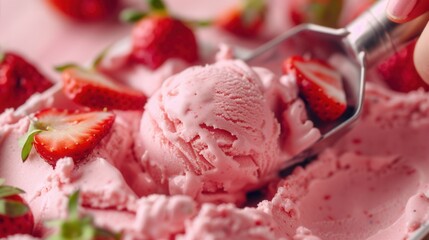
(405, 10)
(421, 53)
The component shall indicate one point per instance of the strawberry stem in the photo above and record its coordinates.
(202, 23)
(131, 15)
(157, 6)
(99, 58)
(78, 227)
(61, 68)
(326, 14)
(252, 10)
(10, 207)
(2, 56)
(73, 205)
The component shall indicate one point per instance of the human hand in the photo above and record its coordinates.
(405, 10)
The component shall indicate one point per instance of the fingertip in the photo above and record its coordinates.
(400, 10)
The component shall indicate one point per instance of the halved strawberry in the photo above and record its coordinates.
(15, 215)
(95, 90)
(62, 133)
(78, 226)
(320, 85)
(245, 20)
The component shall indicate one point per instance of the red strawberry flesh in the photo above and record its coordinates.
(158, 38)
(10, 224)
(86, 10)
(70, 134)
(97, 91)
(18, 81)
(320, 85)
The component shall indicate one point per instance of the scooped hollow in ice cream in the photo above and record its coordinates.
(209, 133)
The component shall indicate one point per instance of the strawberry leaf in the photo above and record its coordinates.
(326, 13)
(6, 191)
(61, 68)
(88, 231)
(157, 6)
(2, 181)
(105, 234)
(12, 208)
(131, 15)
(73, 205)
(200, 23)
(26, 142)
(76, 226)
(252, 10)
(2, 56)
(99, 58)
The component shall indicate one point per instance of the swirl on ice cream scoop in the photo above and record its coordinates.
(210, 133)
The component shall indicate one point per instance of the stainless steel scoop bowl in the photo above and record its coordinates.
(358, 46)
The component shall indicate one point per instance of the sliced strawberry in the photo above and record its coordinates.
(18, 81)
(320, 85)
(62, 133)
(95, 90)
(15, 215)
(245, 20)
(399, 71)
(85, 10)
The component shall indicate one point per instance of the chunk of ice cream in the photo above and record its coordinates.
(209, 132)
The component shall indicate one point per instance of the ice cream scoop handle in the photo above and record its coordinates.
(376, 35)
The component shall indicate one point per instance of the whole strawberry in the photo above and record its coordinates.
(158, 37)
(245, 20)
(18, 81)
(399, 71)
(86, 10)
(15, 214)
(58, 133)
(77, 226)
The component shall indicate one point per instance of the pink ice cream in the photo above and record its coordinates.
(371, 185)
(208, 132)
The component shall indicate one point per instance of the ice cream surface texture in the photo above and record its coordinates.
(209, 132)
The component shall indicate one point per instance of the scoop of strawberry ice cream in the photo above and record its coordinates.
(210, 133)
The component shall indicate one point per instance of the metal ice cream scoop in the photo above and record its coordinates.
(358, 46)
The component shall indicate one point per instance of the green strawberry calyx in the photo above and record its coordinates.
(11, 207)
(253, 10)
(77, 226)
(26, 141)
